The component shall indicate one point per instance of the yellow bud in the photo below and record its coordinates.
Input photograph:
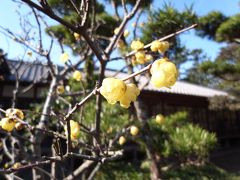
(159, 119)
(29, 54)
(133, 61)
(148, 58)
(6, 165)
(126, 33)
(76, 36)
(134, 24)
(134, 130)
(122, 140)
(109, 131)
(75, 129)
(140, 57)
(16, 165)
(116, 31)
(8, 124)
(77, 75)
(120, 44)
(137, 45)
(64, 57)
(60, 89)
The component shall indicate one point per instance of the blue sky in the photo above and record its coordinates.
(10, 19)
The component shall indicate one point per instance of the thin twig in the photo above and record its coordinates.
(161, 39)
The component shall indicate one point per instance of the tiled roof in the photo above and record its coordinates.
(28, 72)
(37, 71)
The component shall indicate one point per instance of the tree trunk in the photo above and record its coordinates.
(37, 137)
(141, 111)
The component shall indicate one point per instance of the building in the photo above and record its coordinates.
(183, 96)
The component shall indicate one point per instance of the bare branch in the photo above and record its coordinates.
(121, 27)
(78, 29)
(124, 7)
(75, 7)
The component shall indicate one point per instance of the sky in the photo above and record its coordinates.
(10, 19)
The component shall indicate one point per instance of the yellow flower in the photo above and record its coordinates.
(126, 33)
(64, 57)
(116, 90)
(112, 89)
(156, 66)
(77, 75)
(60, 89)
(158, 79)
(134, 130)
(7, 124)
(164, 73)
(12, 112)
(155, 45)
(137, 45)
(130, 95)
(159, 119)
(77, 36)
(122, 140)
(160, 46)
(164, 46)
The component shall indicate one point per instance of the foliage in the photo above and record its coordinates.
(122, 170)
(105, 25)
(228, 30)
(223, 103)
(144, 3)
(178, 137)
(194, 74)
(226, 67)
(166, 21)
(209, 24)
(209, 171)
(63, 8)
(175, 137)
(191, 172)
(98, 124)
(191, 139)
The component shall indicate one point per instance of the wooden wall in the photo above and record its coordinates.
(225, 123)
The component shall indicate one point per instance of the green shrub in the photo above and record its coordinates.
(180, 138)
